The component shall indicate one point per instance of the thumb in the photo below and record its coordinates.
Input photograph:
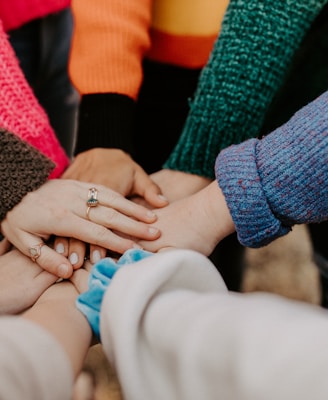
(47, 258)
(149, 190)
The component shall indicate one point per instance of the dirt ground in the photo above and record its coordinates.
(284, 267)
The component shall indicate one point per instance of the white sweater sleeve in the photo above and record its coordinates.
(173, 331)
(33, 366)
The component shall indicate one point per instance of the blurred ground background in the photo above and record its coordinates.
(284, 267)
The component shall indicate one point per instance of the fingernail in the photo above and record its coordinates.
(163, 198)
(74, 258)
(151, 214)
(96, 256)
(63, 270)
(60, 248)
(153, 231)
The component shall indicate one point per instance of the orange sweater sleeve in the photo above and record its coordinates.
(108, 45)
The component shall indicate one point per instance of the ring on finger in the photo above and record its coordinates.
(92, 197)
(35, 251)
(88, 210)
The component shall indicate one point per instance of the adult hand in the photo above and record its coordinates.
(4, 246)
(197, 222)
(176, 184)
(21, 283)
(80, 277)
(117, 170)
(59, 208)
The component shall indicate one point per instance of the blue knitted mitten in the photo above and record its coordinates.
(89, 302)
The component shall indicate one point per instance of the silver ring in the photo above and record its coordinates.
(92, 198)
(35, 251)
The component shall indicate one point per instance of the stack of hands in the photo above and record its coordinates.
(54, 229)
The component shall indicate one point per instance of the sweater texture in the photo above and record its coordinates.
(106, 64)
(278, 181)
(21, 113)
(250, 59)
(23, 169)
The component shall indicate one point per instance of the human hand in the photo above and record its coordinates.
(76, 251)
(176, 184)
(4, 246)
(59, 208)
(197, 222)
(22, 282)
(115, 169)
(80, 277)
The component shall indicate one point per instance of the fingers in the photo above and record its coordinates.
(80, 280)
(114, 201)
(149, 190)
(59, 208)
(73, 249)
(45, 257)
(97, 253)
(99, 235)
(119, 222)
(80, 277)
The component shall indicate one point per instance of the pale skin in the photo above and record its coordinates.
(55, 311)
(28, 289)
(59, 208)
(198, 222)
(22, 282)
(114, 169)
(131, 181)
(117, 170)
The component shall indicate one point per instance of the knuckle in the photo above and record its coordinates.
(111, 216)
(99, 234)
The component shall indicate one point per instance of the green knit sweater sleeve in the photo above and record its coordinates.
(246, 68)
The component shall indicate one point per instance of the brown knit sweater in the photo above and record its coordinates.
(22, 169)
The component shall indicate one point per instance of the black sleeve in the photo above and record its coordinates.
(106, 120)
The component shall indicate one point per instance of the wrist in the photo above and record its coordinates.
(221, 219)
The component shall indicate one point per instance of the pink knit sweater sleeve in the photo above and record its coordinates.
(20, 111)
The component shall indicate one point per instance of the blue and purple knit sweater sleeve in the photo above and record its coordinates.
(278, 181)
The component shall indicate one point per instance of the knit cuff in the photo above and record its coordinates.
(106, 120)
(237, 173)
(22, 168)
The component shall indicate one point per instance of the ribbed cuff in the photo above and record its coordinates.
(106, 120)
(237, 173)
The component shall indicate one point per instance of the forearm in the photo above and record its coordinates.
(59, 316)
(247, 66)
(281, 180)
